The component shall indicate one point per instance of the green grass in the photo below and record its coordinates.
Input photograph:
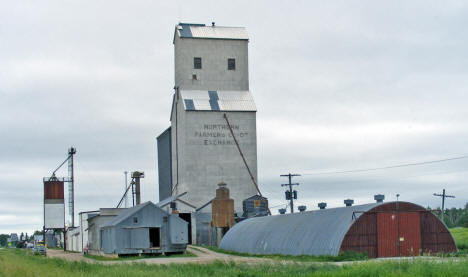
(129, 258)
(16, 262)
(461, 238)
(346, 256)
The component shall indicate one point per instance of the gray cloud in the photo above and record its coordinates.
(339, 85)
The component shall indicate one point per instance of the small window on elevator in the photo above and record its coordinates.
(197, 63)
(231, 64)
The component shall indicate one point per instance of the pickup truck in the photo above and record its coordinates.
(39, 249)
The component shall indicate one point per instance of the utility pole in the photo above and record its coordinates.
(443, 195)
(290, 195)
(125, 190)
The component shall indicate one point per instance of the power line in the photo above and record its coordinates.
(387, 167)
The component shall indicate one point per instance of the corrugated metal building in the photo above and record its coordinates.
(73, 239)
(254, 206)
(380, 229)
(164, 164)
(95, 222)
(144, 228)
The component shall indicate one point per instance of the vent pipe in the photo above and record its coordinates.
(173, 206)
(302, 208)
(349, 202)
(136, 176)
(322, 205)
(379, 198)
(282, 211)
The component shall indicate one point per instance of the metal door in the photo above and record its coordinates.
(398, 234)
(387, 234)
(410, 234)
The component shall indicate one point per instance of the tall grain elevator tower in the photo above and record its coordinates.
(198, 151)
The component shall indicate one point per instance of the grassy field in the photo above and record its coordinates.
(16, 262)
(461, 238)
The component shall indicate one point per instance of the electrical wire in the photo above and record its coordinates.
(280, 205)
(387, 167)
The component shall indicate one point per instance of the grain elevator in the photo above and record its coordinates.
(198, 150)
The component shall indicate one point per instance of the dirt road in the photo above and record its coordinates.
(203, 256)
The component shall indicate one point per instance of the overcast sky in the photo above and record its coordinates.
(339, 85)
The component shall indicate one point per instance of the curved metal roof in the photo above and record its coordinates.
(318, 232)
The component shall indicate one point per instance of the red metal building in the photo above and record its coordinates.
(398, 229)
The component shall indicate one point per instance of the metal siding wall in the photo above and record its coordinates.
(362, 236)
(203, 164)
(94, 233)
(53, 190)
(105, 247)
(165, 164)
(54, 216)
(205, 233)
(178, 230)
(140, 238)
(435, 237)
(410, 231)
(387, 238)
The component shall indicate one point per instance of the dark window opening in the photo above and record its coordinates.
(155, 237)
(231, 64)
(197, 63)
(189, 105)
(135, 220)
(188, 217)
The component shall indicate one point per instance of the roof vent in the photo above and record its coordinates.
(282, 211)
(349, 202)
(322, 205)
(379, 198)
(302, 208)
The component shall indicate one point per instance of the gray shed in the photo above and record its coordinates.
(95, 222)
(145, 228)
(378, 229)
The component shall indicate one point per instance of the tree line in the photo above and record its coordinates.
(454, 217)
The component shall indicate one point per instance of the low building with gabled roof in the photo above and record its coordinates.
(144, 229)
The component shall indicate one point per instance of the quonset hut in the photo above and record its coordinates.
(379, 229)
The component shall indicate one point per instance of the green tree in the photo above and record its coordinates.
(4, 239)
(464, 217)
(454, 217)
